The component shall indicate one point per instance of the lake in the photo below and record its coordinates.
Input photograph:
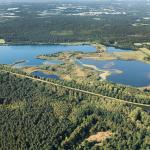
(135, 73)
(27, 53)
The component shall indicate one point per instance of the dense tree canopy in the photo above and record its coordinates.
(35, 115)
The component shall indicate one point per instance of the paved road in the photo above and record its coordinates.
(79, 90)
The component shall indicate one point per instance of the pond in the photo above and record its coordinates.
(44, 75)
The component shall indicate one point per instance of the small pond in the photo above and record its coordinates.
(44, 75)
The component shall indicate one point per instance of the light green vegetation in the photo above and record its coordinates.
(69, 70)
(62, 33)
(30, 69)
(15, 105)
(2, 41)
(141, 54)
(142, 44)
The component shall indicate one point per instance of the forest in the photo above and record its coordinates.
(104, 88)
(46, 114)
(62, 23)
(56, 118)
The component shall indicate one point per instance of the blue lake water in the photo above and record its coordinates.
(44, 75)
(12, 54)
(113, 49)
(134, 73)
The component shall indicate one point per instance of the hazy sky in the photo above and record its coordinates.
(37, 0)
(60, 0)
(65, 0)
(47, 0)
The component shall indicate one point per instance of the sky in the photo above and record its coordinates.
(33, 0)
(46, 0)
(57, 0)
(67, 0)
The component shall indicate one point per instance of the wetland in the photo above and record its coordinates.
(81, 62)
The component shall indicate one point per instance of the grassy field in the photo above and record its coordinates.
(141, 54)
(62, 33)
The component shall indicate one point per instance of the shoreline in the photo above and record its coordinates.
(144, 87)
(105, 73)
(69, 43)
(99, 47)
(18, 62)
(102, 50)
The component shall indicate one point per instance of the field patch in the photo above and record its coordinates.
(62, 33)
(99, 137)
